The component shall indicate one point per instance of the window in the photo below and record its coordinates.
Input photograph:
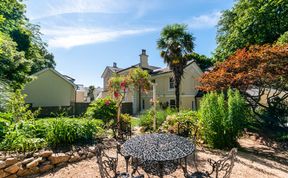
(172, 103)
(171, 83)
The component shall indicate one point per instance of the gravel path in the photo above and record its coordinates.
(247, 165)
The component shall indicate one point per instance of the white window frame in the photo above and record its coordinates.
(169, 84)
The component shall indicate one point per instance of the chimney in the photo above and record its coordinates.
(114, 65)
(144, 59)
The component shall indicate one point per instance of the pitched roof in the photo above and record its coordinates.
(64, 77)
(167, 69)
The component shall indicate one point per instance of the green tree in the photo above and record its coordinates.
(26, 38)
(140, 79)
(250, 22)
(202, 61)
(13, 65)
(175, 43)
(91, 93)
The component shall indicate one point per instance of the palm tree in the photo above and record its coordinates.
(175, 43)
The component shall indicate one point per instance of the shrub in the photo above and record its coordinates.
(146, 119)
(32, 135)
(70, 131)
(22, 136)
(104, 109)
(222, 121)
(183, 123)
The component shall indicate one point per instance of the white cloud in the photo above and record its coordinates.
(68, 37)
(204, 21)
(48, 8)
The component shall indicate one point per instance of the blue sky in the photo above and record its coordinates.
(87, 35)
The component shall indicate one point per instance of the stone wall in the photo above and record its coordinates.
(21, 165)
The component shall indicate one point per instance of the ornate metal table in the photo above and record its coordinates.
(158, 147)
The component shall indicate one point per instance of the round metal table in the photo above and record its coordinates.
(158, 147)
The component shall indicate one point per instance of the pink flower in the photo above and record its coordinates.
(107, 102)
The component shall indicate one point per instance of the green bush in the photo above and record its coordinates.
(222, 121)
(71, 131)
(183, 123)
(22, 136)
(32, 135)
(146, 119)
(104, 109)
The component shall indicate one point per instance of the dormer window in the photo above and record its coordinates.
(171, 83)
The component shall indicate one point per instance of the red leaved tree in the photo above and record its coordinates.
(260, 73)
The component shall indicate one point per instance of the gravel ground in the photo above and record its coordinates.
(256, 160)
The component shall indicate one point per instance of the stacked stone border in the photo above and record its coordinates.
(21, 165)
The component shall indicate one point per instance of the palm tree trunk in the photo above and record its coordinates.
(177, 94)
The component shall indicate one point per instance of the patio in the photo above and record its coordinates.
(248, 164)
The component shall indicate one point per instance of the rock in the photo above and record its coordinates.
(92, 149)
(12, 169)
(45, 163)
(24, 172)
(90, 155)
(3, 173)
(2, 164)
(28, 160)
(61, 164)
(35, 170)
(81, 152)
(33, 163)
(44, 168)
(46, 154)
(83, 157)
(58, 158)
(74, 158)
(12, 176)
(10, 161)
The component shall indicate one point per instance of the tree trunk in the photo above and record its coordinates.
(139, 102)
(119, 119)
(177, 91)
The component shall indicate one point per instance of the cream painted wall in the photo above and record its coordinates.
(188, 89)
(49, 89)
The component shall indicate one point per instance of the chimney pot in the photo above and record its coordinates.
(114, 64)
(144, 51)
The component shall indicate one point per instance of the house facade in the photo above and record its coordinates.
(163, 78)
(50, 88)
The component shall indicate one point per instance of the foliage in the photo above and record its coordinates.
(91, 92)
(283, 39)
(21, 48)
(72, 131)
(18, 108)
(104, 109)
(140, 79)
(120, 85)
(183, 123)
(260, 74)
(3, 127)
(24, 136)
(32, 135)
(202, 61)
(222, 121)
(146, 119)
(175, 43)
(249, 23)
(14, 67)
(5, 94)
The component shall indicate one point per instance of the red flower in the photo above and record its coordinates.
(123, 85)
(116, 94)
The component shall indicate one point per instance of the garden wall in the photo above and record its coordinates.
(20, 165)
